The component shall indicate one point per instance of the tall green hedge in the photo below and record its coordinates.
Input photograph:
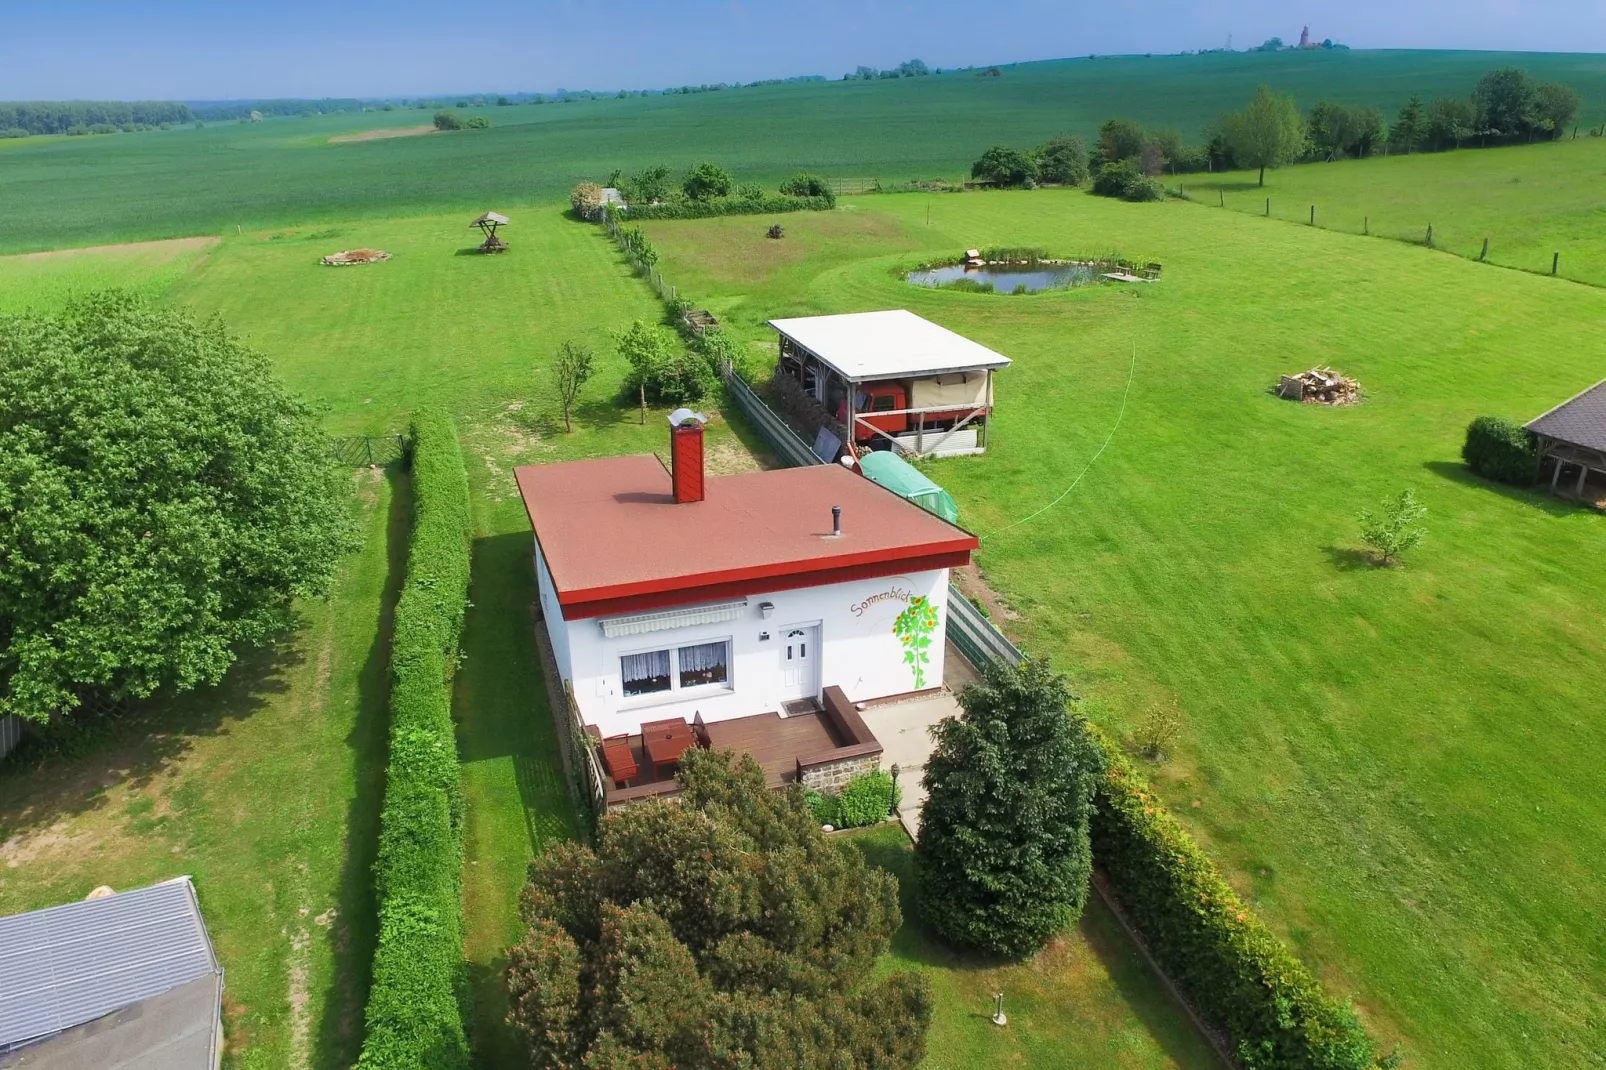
(1233, 969)
(416, 1005)
(729, 206)
(1502, 450)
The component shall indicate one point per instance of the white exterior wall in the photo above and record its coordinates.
(858, 651)
(552, 613)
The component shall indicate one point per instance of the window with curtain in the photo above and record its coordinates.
(645, 674)
(706, 663)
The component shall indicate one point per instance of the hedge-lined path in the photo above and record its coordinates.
(266, 791)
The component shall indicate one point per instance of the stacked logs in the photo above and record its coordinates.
(1319, 386)
(355, 256)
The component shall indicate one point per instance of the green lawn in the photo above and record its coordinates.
(45, 281)
(1529, 201)
(1086, 1000)
(266, 791)
(1395, 766)
(56, 192)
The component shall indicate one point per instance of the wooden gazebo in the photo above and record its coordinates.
(488, 223)
(1573, 434)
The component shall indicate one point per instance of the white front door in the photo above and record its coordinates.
(800, 659)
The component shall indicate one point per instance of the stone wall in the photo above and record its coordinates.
(832, 777)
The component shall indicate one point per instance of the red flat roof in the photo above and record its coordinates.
(615, 541)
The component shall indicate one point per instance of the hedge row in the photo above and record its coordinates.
(1235, 972)
(728, 206)
(416, 1006)
(1502, 450)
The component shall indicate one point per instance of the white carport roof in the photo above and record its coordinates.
(896, 344)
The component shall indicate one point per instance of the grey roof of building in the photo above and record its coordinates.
(1580, 420)
(71, 964)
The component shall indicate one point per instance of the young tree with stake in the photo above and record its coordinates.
(1267, 133)
(1396, 530)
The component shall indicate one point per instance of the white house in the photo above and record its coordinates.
(759, 609)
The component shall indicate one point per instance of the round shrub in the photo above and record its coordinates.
(706, 181)
(478, 122)
(445, 120)
(804, 184)
(1501, 450)
(867, 799)
(586, 200)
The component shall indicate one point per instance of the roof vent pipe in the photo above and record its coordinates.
(836, 520)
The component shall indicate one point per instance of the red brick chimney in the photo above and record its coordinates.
(686, 455)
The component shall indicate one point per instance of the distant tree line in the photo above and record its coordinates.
(911, 68)
(26, 118)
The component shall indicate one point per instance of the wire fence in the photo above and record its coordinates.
(849, 186)
(666, 292)
(364, 451)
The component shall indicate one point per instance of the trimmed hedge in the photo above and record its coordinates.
(416, 1005)
(1501, 450)
(1233, 969)
(728, 206)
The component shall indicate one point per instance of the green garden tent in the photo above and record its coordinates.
(904, 479)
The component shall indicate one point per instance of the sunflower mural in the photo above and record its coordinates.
(914, 628)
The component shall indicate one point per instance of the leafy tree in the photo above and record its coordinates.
(1332, 129)
(721, 931)
(1126, 180)
(1396, 530)
(1063, 160)
(1005, 167)
(661, 370)
(1267, 133)
(650, 185)
(1370, 131)
(913, 68)
(1506, 101)
(1120, 139)
(478, 122)
(1555, 107)
(1003, 857)
(1411, 128)
(1450, 120)
(1162, 148)
(586, 200)
(706, 181)
(163, 501)
(804, 184)
(445, 120)
(867, 74)
(570, 372)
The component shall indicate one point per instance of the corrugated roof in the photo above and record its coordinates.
(71, 964)
(1580, 420)
(887, 345)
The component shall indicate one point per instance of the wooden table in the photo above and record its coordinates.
(665, 741)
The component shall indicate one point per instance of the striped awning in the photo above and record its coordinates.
(664, 619)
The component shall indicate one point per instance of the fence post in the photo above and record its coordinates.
(1555, 262)
(1366, 224)
(368, 447)
(1268, 207)
(1485, 254)
(1223, 197)
(1313, 215)
(1430, 236)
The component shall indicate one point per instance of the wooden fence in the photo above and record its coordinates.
(10, 734)
(848, 186)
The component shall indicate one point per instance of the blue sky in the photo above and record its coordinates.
(186, 49)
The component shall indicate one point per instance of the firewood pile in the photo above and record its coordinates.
(1319, 386)
(355, 256)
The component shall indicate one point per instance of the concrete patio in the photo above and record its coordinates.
(902, 728)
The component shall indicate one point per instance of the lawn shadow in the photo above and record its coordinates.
(354, 932)
(43, 783)
(1349, 559)
(1537, 497)
(1228, 187)
(744, 430)
(494, 1042)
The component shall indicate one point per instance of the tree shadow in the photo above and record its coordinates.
(494, 1042)
(1239, 186)
(744, 431)
(42, 784)
(1537, 496)
(355, 930)
(1350, 559)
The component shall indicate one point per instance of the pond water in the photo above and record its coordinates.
(1006, 279)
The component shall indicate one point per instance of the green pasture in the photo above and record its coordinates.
(265, 790)
(180, 182)
(1395, 766)
(1530, 201)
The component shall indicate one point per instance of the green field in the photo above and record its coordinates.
(266, 791)
(1393, 765)
(1529, 201)
(180, 182)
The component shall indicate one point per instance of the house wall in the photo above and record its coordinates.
(858, 652)
(552, 614)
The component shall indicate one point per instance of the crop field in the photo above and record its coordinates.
(1392, 764)
(1531, 202)
(56, 192)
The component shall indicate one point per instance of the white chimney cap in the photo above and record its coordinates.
(680, 416)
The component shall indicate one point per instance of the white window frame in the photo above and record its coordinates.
(677, 693)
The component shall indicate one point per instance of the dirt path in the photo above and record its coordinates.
(174, 247)
(389, 131)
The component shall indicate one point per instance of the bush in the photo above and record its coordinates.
(1004, 166)
(867, 799)
(1501, 450)
(1003, 857)
(478, 122)
(586, 200)
(804, 184)
(415, 1016)
(718, 206)
(1232, 969)
(1126, 180)
(445, 120)
(1063, 160)
(722, 923)
(706, 181)
(163, 502)
(662, 372)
